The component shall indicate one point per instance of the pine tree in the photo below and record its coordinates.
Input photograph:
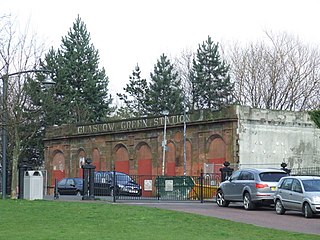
(165, 91)
(81, 91)
(135, 96)
(79, 95)
(211, 85)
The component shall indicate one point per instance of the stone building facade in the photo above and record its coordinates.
(243, 136)
(134, 146)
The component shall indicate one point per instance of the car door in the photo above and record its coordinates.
(70, 187)
(285, 191)
(231, 188)
(296, 195)
(62, 186)
(246, 182)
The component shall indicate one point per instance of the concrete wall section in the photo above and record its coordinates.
(268, 138)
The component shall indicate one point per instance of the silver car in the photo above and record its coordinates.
(298, 193)
(251, 186)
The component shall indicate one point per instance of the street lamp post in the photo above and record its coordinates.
(164, 142)
(184, 142)
(5, 79)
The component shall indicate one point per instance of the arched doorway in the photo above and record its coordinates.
(58, 166)
(121, 162)
(144, 159)
(188, 157)
(170, 166)
(82, 158)
(180, 170)
(96, 159)
(216, 152)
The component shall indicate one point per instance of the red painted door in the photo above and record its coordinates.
(145, 170)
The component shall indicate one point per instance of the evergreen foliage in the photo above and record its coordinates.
(135, 97)
(80, 94)
(211, 85)
(315, 116)
(81, 91)
(165, 92)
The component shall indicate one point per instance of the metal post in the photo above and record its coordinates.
(201, 186)
(4, 135)
(114, 185)
(91, 181)
(164, 143)
(55, 193)
(184, 142)
(85, 182)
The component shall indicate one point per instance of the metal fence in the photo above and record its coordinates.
(153, 187)
(311, 171)
(201, 188)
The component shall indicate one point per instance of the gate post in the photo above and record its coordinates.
(88, 180)
(226, 171)
(201, 186)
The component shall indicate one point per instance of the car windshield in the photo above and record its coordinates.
(271, 176)
(312, 185)
(123, 178)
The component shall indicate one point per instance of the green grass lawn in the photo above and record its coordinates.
(22, 219)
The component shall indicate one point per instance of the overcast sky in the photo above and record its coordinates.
(127, 32)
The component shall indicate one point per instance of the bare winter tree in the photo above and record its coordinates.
(19, 52)
(280, 73)
(183, 65)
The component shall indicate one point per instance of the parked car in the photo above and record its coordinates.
(298, 193)
(124, 184)
(253, 187)
(70, 186)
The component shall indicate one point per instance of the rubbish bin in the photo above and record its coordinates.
(33, 185)
(175, 187)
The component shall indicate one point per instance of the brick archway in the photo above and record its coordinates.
(121, 162)
(96, 159)
(81, 157)
(144, 160)
(58, 166)
(216, 152)
(170, 166)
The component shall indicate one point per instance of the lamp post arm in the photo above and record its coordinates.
(28, 71)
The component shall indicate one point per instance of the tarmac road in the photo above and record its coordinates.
(264, 217)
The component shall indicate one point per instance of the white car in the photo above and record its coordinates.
(298, 193)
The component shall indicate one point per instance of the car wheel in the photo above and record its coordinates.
(279, 207)
(221, 202)
(78, 194)
(111, 192)
(247, 203)
(307, 210)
